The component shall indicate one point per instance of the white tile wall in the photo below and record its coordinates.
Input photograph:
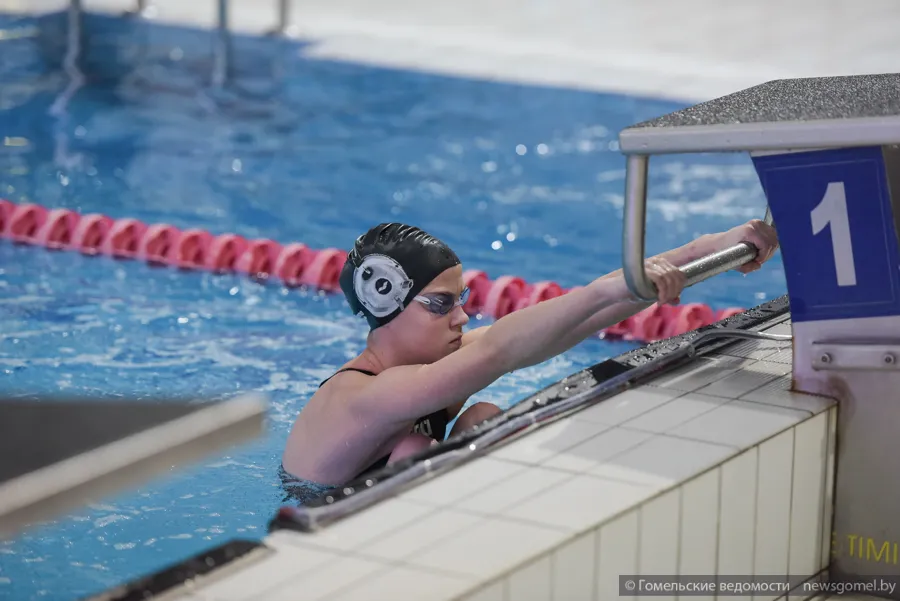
(626, 405)
(664, 461)
(699, 542)
(740, 424)
(246, 580)
(757, 349)
(496, 498)
(780, 328)
(597, 449)
(461, 482)
(749, 378)
(617, 554)
(531, 582)
(778, 392)
(433, 529)
(807, 503)
(371, 524)
(784, 355)
(733, 519)
(185, 595)
(773, 507)
(574, 565)
(549, 440)
(495, 591)
(828, 493)
(490, 547)
(737, 514)
(699, 373)
(580, 503)
(322, 582)
(398, 583)
(674, 413)
(659, 527)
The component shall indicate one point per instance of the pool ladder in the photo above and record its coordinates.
(222, 48)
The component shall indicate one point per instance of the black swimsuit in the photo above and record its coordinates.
(433, 425)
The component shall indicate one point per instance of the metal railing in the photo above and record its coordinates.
(222, 54)
(633, 244)
(283, 16)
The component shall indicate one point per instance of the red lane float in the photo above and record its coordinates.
(324, 270)
(224, 251)
(25, 222)
(56, 233)
(298, 265)
(90, 233)
(6, 210)
(259, 258)
(503, 296)
(124, 238)
(157, 242)
(191, 250)
(291, 262)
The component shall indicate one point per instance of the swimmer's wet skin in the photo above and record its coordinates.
(419, 368)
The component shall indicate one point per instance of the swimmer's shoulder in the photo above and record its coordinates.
(345, 382)
(345, 371)
(349, 386)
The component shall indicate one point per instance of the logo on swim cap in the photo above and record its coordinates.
(381, 285)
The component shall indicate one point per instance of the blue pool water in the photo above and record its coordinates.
(520, 180)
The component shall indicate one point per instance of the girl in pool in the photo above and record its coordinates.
(419, 368)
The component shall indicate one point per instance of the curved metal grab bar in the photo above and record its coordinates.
(633, 239)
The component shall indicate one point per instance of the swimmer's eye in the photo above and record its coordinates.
(442, 303)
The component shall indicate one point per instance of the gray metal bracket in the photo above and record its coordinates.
(856, 355)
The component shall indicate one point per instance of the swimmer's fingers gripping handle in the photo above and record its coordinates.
(706, 267)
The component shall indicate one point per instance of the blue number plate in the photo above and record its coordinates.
(833, 212)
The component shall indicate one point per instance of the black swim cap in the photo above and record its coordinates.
(388, 266)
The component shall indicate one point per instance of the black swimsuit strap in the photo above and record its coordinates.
(362, 371)
(433, 425)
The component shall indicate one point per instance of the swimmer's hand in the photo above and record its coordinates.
(668, 279)
(758, 233)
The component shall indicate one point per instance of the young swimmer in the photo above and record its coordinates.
(419, 368)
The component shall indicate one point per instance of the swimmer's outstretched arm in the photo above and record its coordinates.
(399, 394)
(754, 231)
(762, 235)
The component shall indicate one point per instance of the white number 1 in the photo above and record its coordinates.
(832, 209)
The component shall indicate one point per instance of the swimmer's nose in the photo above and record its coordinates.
(458, 317)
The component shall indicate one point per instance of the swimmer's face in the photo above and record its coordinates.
(426, 333)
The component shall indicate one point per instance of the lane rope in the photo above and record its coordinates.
(295, 264)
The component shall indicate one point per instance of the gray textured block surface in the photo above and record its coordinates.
(809, 99)
(785, 114)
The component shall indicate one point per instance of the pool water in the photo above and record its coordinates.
(518, 179)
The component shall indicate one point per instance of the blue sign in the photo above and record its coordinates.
(832, 209)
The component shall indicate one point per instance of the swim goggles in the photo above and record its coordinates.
(441, 303)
